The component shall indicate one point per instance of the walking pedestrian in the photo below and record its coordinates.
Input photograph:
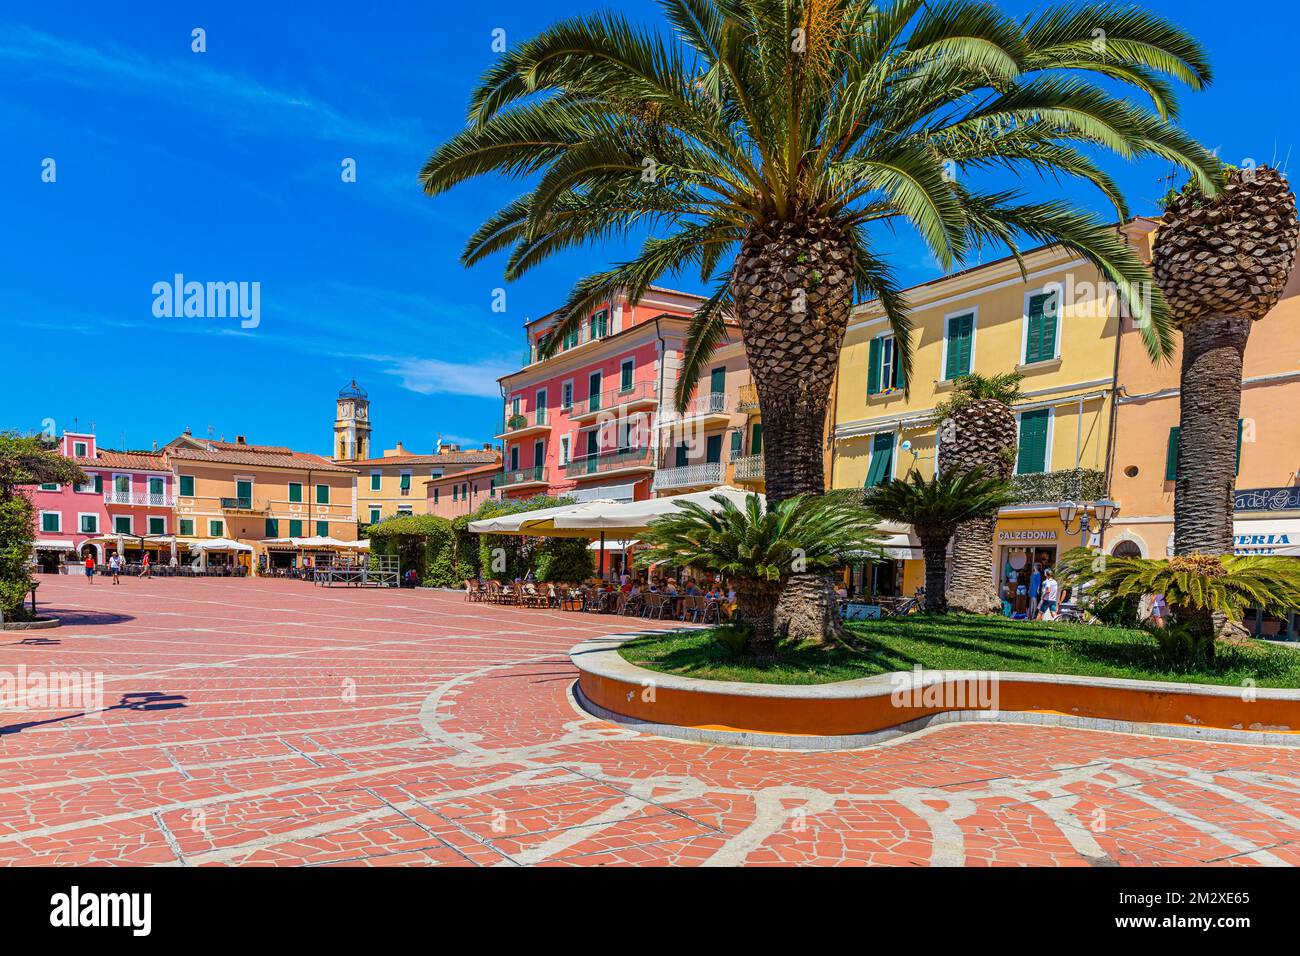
(90, 567)
(115, 566)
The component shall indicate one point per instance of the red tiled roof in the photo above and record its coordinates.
(446, 458)
(138, 460)
(491, 469)
(266, 456)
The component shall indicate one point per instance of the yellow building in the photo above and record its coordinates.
(253, 493)
(1058, 327)
(395, 484)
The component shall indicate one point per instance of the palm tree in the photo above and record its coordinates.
(1222, 264)
(763, 140)
(758, 548)
(935, 509)
(977, 429)
(1197, 587)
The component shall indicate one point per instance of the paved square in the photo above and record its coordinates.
(272, 722)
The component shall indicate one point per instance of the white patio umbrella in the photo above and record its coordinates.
(628, 519)
(541, 521)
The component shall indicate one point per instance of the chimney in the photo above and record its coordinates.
(239, 440)
(487, 446)
(400, 449)
(155, 445)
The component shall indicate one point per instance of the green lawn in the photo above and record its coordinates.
(959, 642)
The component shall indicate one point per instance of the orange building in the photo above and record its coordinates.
(459, 493)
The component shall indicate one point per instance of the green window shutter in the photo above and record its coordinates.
(216, 529)
(376, 481)
(99, 485)
(272, 528)
(1040, 344)
(435, 496)
(756, 439)
(873, 368)
(49, 522)
(406, 482)
(322, 529)
(882, 459)
(295, 528)
(157, 525)
(625, 381)
(1239, 428)
(187, 485)
(960, 334)
(737, 439)
(187, 526)
(681, 455)
(322, 494)
(295, 491)
(1032, 458)
(1171, 456)
(900, 376)
(455, 492)
(713, 449)
(155, 486)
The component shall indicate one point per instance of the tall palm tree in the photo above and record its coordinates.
(759, 547)
(977, 430)
(762, 141)
(935, 509)
(1222, 263)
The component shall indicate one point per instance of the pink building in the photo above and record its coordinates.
(596, 420)
(128, 493)
(458, 494)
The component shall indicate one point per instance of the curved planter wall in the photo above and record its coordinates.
(863, 712)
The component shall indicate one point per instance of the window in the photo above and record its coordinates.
(539, 406)
(405, 483)
(593, 391)
(718, 380)
(514, 457)
(295, 491)
(99, 484)
(122, 524)
(435, 496)
(1040, 328)
(882, 459)
(374, 511)
(216, 528)
(403, 511)
(157, 525)
(756, 439)
(52, 486)
(884, 372)
(122, 484)
(51, 521)
(539, 453)
(464, 490)
(295, 527)
(79, 449)
(376, 480)
(600, 324)
(272, 528)
(564, 449)
(713, 449)
(1034, 427)
(625, 374)
(322, 494)
(683, 455)
(244, 492)
(737, 442)
(514, 406)
(455, 492)
(85, 489)
(1171, 452)
(322, 529)
(187, 486)
(89, 524)
(187, 526)
(566, 394)
(957, 345)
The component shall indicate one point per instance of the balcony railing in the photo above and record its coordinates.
(713, 403)
(1070, 484)
(521, 476)
(519, 421)
(609, 461)
(640, 393)
(582, 336)
(143, 500)
(748, 468)
(240, 504)
(705, 474)
(747, 398)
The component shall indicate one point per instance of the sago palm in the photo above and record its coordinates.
(977, 432)
(935, 508)
(1197, 588)
(759, 547)
(761, 143)
(1222, 264)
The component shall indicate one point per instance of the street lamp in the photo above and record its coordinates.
(1103, 510)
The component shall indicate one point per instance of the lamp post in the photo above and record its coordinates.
(1104, 511)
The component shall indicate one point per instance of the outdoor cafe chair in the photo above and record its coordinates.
(633, 604)
(656, 605)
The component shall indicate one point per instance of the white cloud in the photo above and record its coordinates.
(437, 377)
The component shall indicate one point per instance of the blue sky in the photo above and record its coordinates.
(225, 166)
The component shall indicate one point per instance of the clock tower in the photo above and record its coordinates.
(352, 424)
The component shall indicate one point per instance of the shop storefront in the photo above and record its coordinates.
(1021, 543)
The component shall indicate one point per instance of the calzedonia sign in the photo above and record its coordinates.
(1046, 535)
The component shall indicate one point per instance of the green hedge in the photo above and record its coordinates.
(1073, 484)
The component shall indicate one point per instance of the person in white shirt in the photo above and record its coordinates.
(1051, 591)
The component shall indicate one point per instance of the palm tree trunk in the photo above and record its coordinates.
(974, 590)
(756, 606)
(1210, 404)
(793, 288)
(934, 549)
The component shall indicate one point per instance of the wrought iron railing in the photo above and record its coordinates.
(707, 473)
(609, 461)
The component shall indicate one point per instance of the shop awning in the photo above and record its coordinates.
(1265, 536)
(55, 546)
(540, 521)
(220, 544)
(630, 518)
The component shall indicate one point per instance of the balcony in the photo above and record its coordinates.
(1052, 487)
(624, 461)
(747, 398)
(142, 501)
(710, 409)
(707, 474)
(748, 468)
(616, 403)
(523, 424)
(582, 336)
(245, 505)
(535, 477)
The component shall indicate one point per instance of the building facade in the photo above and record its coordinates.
(128, 493)
(394, 484)
(460, 493)
(1058, 326)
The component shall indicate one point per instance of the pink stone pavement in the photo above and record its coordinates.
(345, 727)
